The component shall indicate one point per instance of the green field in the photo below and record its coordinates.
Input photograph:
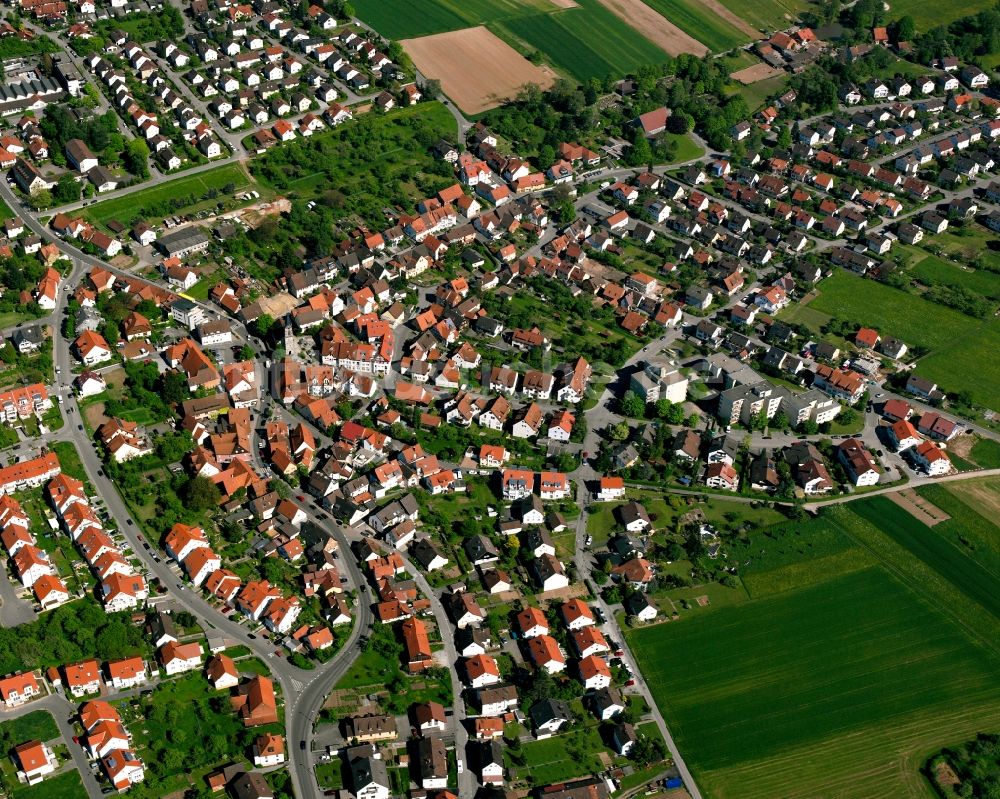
(404, 19)
(935, 550)
(930, 15)
(862, 650)
(956, 342)
(768, 15)
(602, 522)
(986, 453)
(151, 203)
(932, 271)
(714, 32)
(756, 94)
(585, 42)
(969, 529)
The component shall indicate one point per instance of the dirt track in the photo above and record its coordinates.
(477, 70)
(659, 30)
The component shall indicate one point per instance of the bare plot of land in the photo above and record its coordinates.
(918, 507)
(564, 3)
(755, 74)
(279, 305)
(477, 70)
(655, 27)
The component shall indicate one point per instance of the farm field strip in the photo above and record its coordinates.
(935, 550)
(767, 15)
(698, 21)
(587, 41)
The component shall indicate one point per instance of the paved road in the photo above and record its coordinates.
(467, 779)
(13, 609)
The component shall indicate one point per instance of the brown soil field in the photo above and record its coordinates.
(755, 74)
(477, 70)
(918, 507)
(655, 27)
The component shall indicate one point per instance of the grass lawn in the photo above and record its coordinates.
(63, 786)
(5, 211)
(850, 681)
(687, 148)
(200, 290)
(768, 15)
(38, 725)
(153, 205)
(956, 342)
(561, 757)
(757, 93)
(986, 453)
(585, 42)
(11, 318)
(700, 23)
(69, 459)
(739, 59)
(330, 775)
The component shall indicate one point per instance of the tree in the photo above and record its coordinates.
(431, 89)
(136, 157)
(619, 432)
(67, 190)
(905, 28)
(263, 325)
(641, 153)
(174, 387)
(247, 353)
(201, 494)
(633, 404)
(680, 122)
(171, 447)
